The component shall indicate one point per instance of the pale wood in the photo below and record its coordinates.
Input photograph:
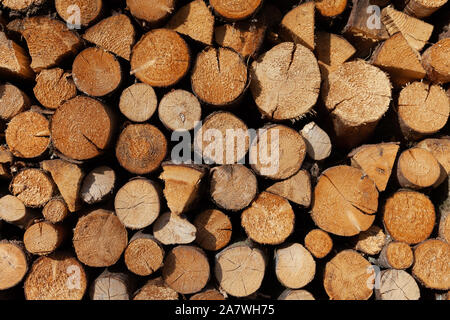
(55, 210)
(13, 210)
(440, 149)
(89, 10)
(298, 25)
(98, 185)
(318, 143)
(144, 254)
(423, 8)
(54, 87)
(12, 101)
(138, 102)
(171, 228)
(14, 60)
(209, 294)
(33, 187)
(13, 263)
(371, 241)
(397, 285)
(43, 238)
(111, 286)
(296, 189)
(319, 243)
(179, 110)
(156, 289)
(153, 11)
(213, 229)
(417, 168)
(396, 255)
(289, 294)
(435, 61)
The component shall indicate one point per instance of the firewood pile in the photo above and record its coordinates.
(211, 150)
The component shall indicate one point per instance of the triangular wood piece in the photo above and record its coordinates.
(298, 25)
(296, 189)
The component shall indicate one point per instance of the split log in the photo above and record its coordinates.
(182, 185)
(12, 101)
(357, 95)
(269, 220)
(376, 161)
(13, 264)
(42, 238)
(138, 102)
(219, 76)
(431, 264)
(56, 277)
(210, 294)
(67, 177)
(289, 294)
(55, 210)
(409, 216)
(236, 10)
(440, 149)
(372, 241)
(99, 238)
(111, 286)
(54, 87)
(330, 8)
(296, 189)
(179, 110)
(33, 187)
(298, 25)
(98, 185)
(289, 90)
(49, 41)
(143, 255)
(12, 210)
(22, 5)
(81, 128)
(345, 201)
(28, 135)
(141, 148)
(213, 229)
(318, 144)
(137, 203)
(186, 269)
(417, 168)
(223, 139)
(348, 276)
(88, 11)
(115, 34)
(233, 187)
(423, 8)
(152, 12)
(156, 289)
(294, 266)
(277, 152)
(160, 58)
(435, 61)
(319, 243)
(240, 269)
(171, 228)
(396, 255)
(194, 20)
(96, 72)
(14, 60)
(397, 285)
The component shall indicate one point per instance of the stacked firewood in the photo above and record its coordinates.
(209, 150)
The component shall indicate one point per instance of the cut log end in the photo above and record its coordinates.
(111, 286)
(33, 187)
(98, 185)
(156, 289)
(43, 238)
(171, 228)
(138, 102)
(397, 285)
(55, 210)
(296, 189)
(179, 110)
(417, 168)
(396, 255)
(54, 87)
(13, 101)
(237, 10)
(289, 294)
(435, 61)
(318, 143)
(210, 294)
(13, 264)
(319, 243)
(331, 8)
(298, 25)
(13, 210)
(152, 12)
(213, 229)
(372, 241)
(144, 255)
(88, 10)
(423, 8)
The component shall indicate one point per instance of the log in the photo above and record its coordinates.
(435, 61)
(54, 87)
(371, 241)
(444, 225)
(431, 267)
(81, 128)
(111, 286)
(141, 148)
(240, 269)
(417, 169)
(298, 25)
(179, 110)
(356, 95)
(13, 263)
(96, 72)
(318, 144)
(409, 216)
(137, 203)
(236, 10)
(5, 155)
(49, 41)
(28, 135)
(186, 269)
(296, 189)
(99, 238)
(13, 210)
(171, 228)
(210, 294)
(58, 276)
(348, 276)
(89, 10)
(22, 5)
(401, 71)
(138, 102)
(14, 60)
(156, 289)
(232, 187)
(319, 243)
(213, 229)
(152, 12)
(160, 58)
(182, 185)
(143, 255)
(289, 294)
(55, 210)
(219, 76)
(439, 148)
(294, 266)
(269, 220)
(12, 101)
(98, 185)
(67, 177)
(422, 8)
(330, 8)
(396, 255)
(194, 20)
(289, 90)
(222, 139)
(397, 285)
(345, 201)
(33, 187)
(115, 34)
(43, 238)
(277, 152)
(376, 161)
